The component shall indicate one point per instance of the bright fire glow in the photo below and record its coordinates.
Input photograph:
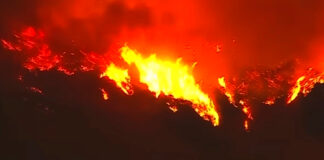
(43, 61)
(36, 90)
(270, 101)
(105, 95)
(173, 108)
(295, 90)
(172, 79)
(229, 95)
(305, 84)
(246, 125)
(120, 77)
(247, 111)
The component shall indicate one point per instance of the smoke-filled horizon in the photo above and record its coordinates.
(216, 34)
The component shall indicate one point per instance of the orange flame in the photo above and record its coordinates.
(269, 101)
(44, 61)
(247, 111)
(173, 79)
(120, 77)
(104, 94)
(173, 108)
(164, 77)
(36, 90)
(8, 45)
(246, 125)
(226, 91)
(305, 84)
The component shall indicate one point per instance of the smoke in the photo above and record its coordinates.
(90, 25)
(253, 32)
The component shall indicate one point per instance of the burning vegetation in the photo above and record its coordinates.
(167, 77)
(187, 65)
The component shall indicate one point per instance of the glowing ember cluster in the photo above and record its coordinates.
(38, 54)
(31, 42)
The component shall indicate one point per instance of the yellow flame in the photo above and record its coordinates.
(309, 83)
(105, 95)
(172, 79)
(173, 108)
(246, 125)
(295, 90)
(222, 83)
(120, 77)
(269, 101)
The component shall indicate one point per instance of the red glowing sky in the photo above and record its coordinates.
(249, 33)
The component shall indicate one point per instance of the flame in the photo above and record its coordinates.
(8, 45)
(247, 111)
(31, 43)
(45, 60)
(172, 79)
(305, 84)
(65, 71)
(36, 90)
(246, 125)
(173, 108)
(105, 95)
(310, 82)
(120, 77)
(227, 92)
(166, 77)
(218, 48)
(295, 90)
(270, 101)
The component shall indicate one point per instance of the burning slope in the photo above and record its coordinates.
(267, 86)
(295, 90)
(305, 84)
(174, 79)
(31, 43)
(120, 77)
(37, 54)
(226, 90)
(170, 78)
